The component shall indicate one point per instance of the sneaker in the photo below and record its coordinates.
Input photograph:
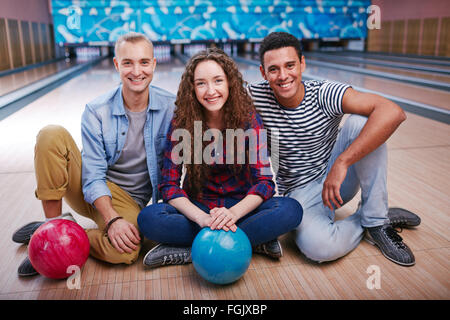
(386, 238)
(163, 254)
(402, 218)
(271, 248)
(26, 269)
(23, 234)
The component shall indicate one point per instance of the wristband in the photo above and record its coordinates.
(111, 222)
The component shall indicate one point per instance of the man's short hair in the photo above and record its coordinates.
(132, 37)
(277, 40)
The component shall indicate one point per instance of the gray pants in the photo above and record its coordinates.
(319, 237)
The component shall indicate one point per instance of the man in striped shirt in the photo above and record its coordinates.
(322, 166)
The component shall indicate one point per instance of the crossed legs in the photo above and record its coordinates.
(319, 236)
(58, 175)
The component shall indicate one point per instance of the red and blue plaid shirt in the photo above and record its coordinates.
(254, 178)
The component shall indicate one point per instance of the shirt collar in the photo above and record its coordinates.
(119, 107)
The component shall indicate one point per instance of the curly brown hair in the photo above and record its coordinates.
(237, 109)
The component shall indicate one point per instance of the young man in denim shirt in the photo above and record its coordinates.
(117, 172)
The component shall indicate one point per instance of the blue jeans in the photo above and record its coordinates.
(319, 237)
(163, 223)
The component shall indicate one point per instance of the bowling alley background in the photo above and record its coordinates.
(56, 55)
(41, 30)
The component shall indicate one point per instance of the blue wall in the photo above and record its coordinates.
(85, 21)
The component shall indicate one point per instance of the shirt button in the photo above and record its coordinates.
(123, 133)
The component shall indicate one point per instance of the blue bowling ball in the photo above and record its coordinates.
(221, 257)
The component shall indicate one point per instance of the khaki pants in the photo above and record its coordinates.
(57, 164)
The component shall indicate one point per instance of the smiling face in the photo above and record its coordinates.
(211, 86)
(283, 70)
(135, 63)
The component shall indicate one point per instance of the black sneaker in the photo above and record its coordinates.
(386, 238)
(26, 269)
(271, 248)
(163, 254)
(402, 218)
(23, 234)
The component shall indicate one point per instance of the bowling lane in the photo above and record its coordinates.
(17, 80)
(406, 64)
(168, 75)
(428, 96)
(64, 106)
(425, 61)
(392, 70)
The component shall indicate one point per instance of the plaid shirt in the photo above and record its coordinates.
(254, 178)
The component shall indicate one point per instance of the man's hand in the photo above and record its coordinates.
(332, 185)
(222, 218)
(124, 236)
(384, 117)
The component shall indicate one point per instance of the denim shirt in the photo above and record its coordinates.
(104, 128)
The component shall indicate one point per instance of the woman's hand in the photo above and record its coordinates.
(203, 220)
(222, 218)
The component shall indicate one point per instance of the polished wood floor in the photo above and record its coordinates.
(419, 167)
(19, 80)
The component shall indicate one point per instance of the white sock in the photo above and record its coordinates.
(65, 215)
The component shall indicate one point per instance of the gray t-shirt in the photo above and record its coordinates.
(130, 172)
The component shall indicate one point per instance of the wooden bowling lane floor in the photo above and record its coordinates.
(429, 96)
(418, 180)
(18, 80)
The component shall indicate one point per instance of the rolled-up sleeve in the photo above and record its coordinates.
(94, 163)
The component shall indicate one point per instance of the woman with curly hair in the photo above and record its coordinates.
(226, 184)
